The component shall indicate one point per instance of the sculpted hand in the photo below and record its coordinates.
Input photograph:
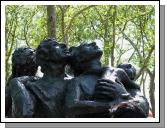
(110, 90)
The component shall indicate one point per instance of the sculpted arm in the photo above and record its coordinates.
(8, 101)
(76, 106)
(22, 100)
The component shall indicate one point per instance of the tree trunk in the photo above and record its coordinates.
(152, 96)
(106, 52)
(144, 80)
(113, 36)
(64, 36)
(9, 52)
(151, 90)
(51, 21)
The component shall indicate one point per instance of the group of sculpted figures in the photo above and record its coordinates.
(94, 91)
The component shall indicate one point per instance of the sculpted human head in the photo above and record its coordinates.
(51, 52)
(83, 54)
(86, 52)
(24, 62)
(129, 69)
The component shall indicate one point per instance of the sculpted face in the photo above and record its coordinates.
(91, 49)
(129, 69)
(59, 52)
(51, 50)
(86, 52)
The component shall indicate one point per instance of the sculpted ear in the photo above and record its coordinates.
(43, 53)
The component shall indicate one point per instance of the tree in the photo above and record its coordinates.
(11, 27)
(51, 19)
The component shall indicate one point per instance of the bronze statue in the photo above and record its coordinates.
(137, 105)
(23, 64)
(94, 92)
(87, 96)
(49, 91)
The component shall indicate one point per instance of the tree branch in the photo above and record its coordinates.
(132, 43)
(145, 62)
(75, 15)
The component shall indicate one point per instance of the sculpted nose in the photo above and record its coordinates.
(93, 43)
(66, 50)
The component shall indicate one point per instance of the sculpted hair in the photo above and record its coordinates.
(24, 62)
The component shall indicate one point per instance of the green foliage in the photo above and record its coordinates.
(27, 25)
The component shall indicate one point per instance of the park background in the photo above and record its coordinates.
(125, 32)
